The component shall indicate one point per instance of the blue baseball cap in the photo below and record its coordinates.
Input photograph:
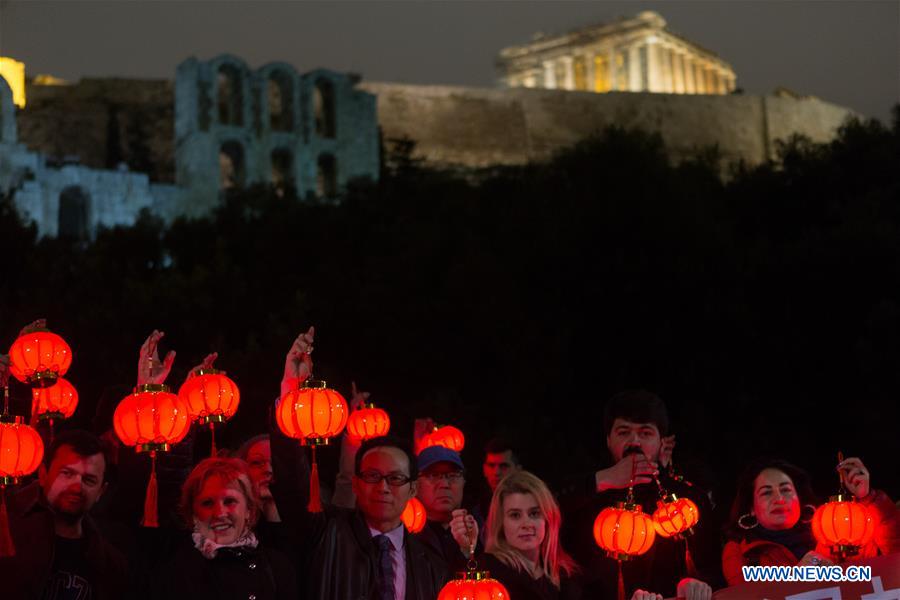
(437, 454)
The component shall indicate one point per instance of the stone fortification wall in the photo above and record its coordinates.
(457, 127)
(102, 124)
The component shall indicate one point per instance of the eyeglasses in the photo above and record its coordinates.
(393, 479)
(450, 476)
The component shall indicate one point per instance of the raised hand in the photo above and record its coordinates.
(36, 325)
(666, 447)
(150, 369)
(4, 370)
(206, 364)
(855, 476)
(357, 399)
(620, 475)
(298, 363)
(464, 529)
(643, 595)
(693, 589)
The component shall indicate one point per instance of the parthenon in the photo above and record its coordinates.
(635, 54)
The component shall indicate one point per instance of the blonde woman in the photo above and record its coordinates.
(523, 550)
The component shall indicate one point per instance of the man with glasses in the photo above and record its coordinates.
(449, 530)
(361, 552)
(366, 551)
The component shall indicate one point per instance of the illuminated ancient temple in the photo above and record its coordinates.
(637, 54)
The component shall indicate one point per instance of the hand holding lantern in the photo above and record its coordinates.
(210, 395)
(150, 369)
(855, 477)
(311, 412)
(844, 524)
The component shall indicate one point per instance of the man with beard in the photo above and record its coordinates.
(635, 423)
(60, 554)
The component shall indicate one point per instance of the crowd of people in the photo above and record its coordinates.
(239, 524)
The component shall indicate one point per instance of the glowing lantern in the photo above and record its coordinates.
(21, 451)
(39, 358)
(844, 525)
(474, 585)
(368, 422)
(623, 532)
(447, 436)
(674, 517)
(414, 516)
(211, 398)
(151, 419)
(55, 402)
(313, 414)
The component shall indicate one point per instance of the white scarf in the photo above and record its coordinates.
(209, 548)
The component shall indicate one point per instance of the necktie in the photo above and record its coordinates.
(385, 567)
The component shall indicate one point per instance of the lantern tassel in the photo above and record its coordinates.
(7, 548)
(212, 431)
(689, 560)
(151, 516)
(315, 500)
(621, 589)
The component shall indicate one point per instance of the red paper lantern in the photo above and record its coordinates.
(151, 419)
(447, 436)
(844, 525)
(474, 585)
(367, 423)
(211, 397)
(312, 414)
(414, 516)
(624, 531)
(674, 517)
(55, 402)
(39, 358)
(21, 450)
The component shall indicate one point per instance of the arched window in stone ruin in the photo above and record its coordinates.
(73, 213)
(323, 108)
(282, 169)
(229, 94)
(326, 179)
(280, 100)
(231, 165)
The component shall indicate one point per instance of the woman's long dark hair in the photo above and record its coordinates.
(743, 500)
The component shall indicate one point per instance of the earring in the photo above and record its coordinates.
(811, 514)
(743, 525)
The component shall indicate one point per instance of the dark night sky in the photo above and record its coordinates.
(846, 52)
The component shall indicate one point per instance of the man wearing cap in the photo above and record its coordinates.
(449, 530)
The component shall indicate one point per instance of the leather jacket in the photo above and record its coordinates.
(25, 575)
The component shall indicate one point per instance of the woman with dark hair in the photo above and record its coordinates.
(221, 504)
(772, 511)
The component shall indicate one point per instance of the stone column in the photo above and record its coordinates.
(666, 58)
(687, 62)
(654, 68)
(549, 75)
(678, 72)
(634, 68)
(589, 71)
(569, 70)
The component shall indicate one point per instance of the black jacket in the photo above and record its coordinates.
(338, 557)
(439, 539)
(238, 574)
(658, 570)
(522, 586)
(24, 576)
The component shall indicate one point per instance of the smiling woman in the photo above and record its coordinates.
(220, 502)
